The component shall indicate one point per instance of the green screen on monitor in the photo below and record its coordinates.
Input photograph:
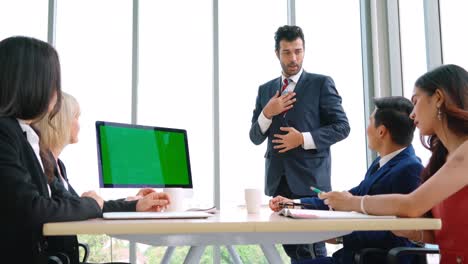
(142, 156)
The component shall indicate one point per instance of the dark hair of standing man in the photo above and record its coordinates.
(29, 76)
(394, 113)
(288, 33)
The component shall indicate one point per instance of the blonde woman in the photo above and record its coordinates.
(56, 134)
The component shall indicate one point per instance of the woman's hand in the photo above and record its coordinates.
(153, 202)
(145, 191)
(341, 201)
(275, 203)
(141, 193)
(95, 196)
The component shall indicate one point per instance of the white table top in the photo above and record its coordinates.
(235, 221)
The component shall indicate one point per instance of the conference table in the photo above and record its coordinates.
(233, 227)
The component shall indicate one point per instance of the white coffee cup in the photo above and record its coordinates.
(177, 197)
(253, 200)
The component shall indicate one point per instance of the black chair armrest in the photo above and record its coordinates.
(60, 258)
(54, 260)
(361, 255)
(394, 253)
(85, 248)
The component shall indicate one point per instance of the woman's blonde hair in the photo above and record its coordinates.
(56, 132)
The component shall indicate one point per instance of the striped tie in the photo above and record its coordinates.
(283, 88)
(285, 85)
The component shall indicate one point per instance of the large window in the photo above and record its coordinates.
(175, 77)
(247, 60)
(175, 88)
(24, 17)
(413, 49)
(96, 68)
(454, 23)
(333, 48)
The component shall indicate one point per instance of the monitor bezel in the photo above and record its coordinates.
(154, 128)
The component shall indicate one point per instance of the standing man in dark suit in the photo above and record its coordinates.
(301, 115)
(396, 170)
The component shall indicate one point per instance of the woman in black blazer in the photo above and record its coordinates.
(30, 88)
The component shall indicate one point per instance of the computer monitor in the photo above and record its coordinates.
(142, 156)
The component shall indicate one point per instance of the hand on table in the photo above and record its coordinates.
(153, 202)
(341, 201)
(141, 193)
(275, 203)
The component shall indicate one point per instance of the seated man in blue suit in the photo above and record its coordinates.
(396, 170)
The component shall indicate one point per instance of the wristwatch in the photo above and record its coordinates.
(339, 240)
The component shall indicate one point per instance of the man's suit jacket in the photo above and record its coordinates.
(398, 175)
(317, 110)
(26, 204)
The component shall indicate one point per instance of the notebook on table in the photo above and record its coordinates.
(156, 215)
(326, 214)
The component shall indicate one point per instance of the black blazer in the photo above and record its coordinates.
(69, 244)
(317, 110)
(61, 167)
(119, 205)
(26, 204)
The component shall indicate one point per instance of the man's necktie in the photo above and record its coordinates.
(375, 168)
(283, 88)
(285, 85)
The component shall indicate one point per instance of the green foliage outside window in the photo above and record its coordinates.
(102, 247)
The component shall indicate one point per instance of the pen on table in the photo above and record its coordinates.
(282, 204)
(318, 191)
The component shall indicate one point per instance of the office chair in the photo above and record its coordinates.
(392, 255)
(85, 248)
(419, 252)
(364, 255)
(60, 258)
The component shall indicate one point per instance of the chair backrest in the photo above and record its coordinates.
(419, 252)
(393, 256)
(85, 248)
(59, 258)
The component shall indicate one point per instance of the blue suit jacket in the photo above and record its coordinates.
(317, 110)
(399, 175)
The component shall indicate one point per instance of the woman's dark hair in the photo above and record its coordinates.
(452, 80)
(47, 158)
(29, 77)
(49, 163)
(393, 112)
(288, 33)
